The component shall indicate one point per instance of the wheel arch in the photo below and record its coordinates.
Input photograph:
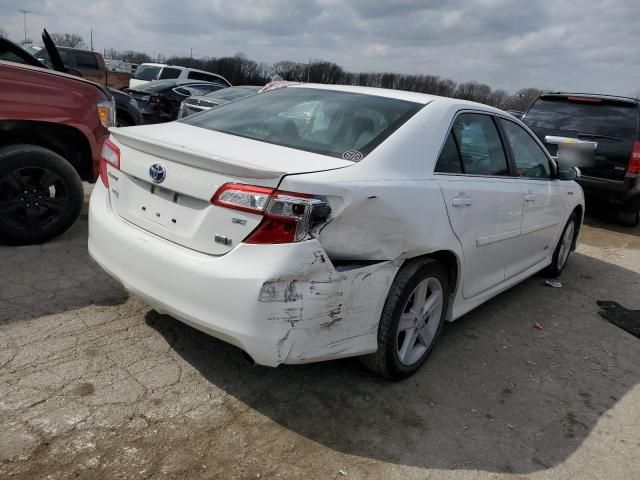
(579, 211)
(451, 262)
(65, 140)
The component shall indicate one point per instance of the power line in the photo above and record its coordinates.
(24, 12)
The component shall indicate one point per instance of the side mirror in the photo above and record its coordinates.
(572, 173)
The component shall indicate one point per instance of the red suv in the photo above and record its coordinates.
(52, 126)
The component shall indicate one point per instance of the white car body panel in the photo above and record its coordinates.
(184, 74)
(321, 298)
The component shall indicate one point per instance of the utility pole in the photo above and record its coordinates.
(24, 13)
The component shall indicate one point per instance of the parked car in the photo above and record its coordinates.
(516, 113)
(127, 113)
(611, 125)
(200, 103)
(160, 101)
(52, 126)
(357, 233)
(147, 72)
(90, 64)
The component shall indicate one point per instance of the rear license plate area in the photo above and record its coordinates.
(159, 205)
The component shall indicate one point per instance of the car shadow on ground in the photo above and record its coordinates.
(602, 215)
(54, 277)
(497, 394)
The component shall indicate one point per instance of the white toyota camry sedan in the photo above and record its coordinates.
(314, 222)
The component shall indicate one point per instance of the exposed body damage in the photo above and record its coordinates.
(327, 312)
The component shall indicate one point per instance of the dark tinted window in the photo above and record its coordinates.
(449, 160)
(597, 117)
(480, 145)
(529, 158)
(147, 72)
(42, 55)
(340, 124)
(202, 76)
(168, 72)
(84, 60)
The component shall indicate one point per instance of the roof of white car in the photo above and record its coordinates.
(399, 94)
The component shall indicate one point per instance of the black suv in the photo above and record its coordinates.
(612, 125)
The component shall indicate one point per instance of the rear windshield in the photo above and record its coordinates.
(339, 124)
(606, 118)
(147, 72)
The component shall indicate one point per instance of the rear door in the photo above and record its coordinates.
(543, 200)
(483, 201)
(610, 123)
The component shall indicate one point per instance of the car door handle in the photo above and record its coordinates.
(529, 198)
(461, 201)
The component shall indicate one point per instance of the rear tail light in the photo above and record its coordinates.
(634, 161)
(110, 155)
(288, 217)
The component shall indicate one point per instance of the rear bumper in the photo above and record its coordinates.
(279, 303)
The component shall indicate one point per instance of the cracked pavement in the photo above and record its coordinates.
(94, 384)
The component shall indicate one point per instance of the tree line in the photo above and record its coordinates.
(240, 70)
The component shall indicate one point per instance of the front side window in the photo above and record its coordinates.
(169, 73)
(339, 124)
(147, 72)
(479, 145)
(529, 158)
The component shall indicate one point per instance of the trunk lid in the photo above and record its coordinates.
(197, 162)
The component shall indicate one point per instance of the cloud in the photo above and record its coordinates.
(507, 44)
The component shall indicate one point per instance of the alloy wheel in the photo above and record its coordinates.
(419, 321)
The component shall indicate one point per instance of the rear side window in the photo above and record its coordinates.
(168, 72)
(84, 60)
(478, 143)
(449, 160)
(339, 124)
(529, 158)
(590, 117)
(201, 76)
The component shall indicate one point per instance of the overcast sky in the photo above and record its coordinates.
(587, 45)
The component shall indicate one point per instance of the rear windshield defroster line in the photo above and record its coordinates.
(338, 124)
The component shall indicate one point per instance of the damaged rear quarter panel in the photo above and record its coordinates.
(322, 312)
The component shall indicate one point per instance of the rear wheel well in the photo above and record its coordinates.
(450, 262)
(579, 212)
(125, 115)
(66, 141)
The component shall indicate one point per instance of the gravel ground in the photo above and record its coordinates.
(94, 384)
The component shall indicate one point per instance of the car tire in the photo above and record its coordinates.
(123, 119)
(628, 219)
(41, 194)
(563, 248)
(403, 348)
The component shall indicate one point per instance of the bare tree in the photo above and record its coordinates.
(71, 40)
(3, 33)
